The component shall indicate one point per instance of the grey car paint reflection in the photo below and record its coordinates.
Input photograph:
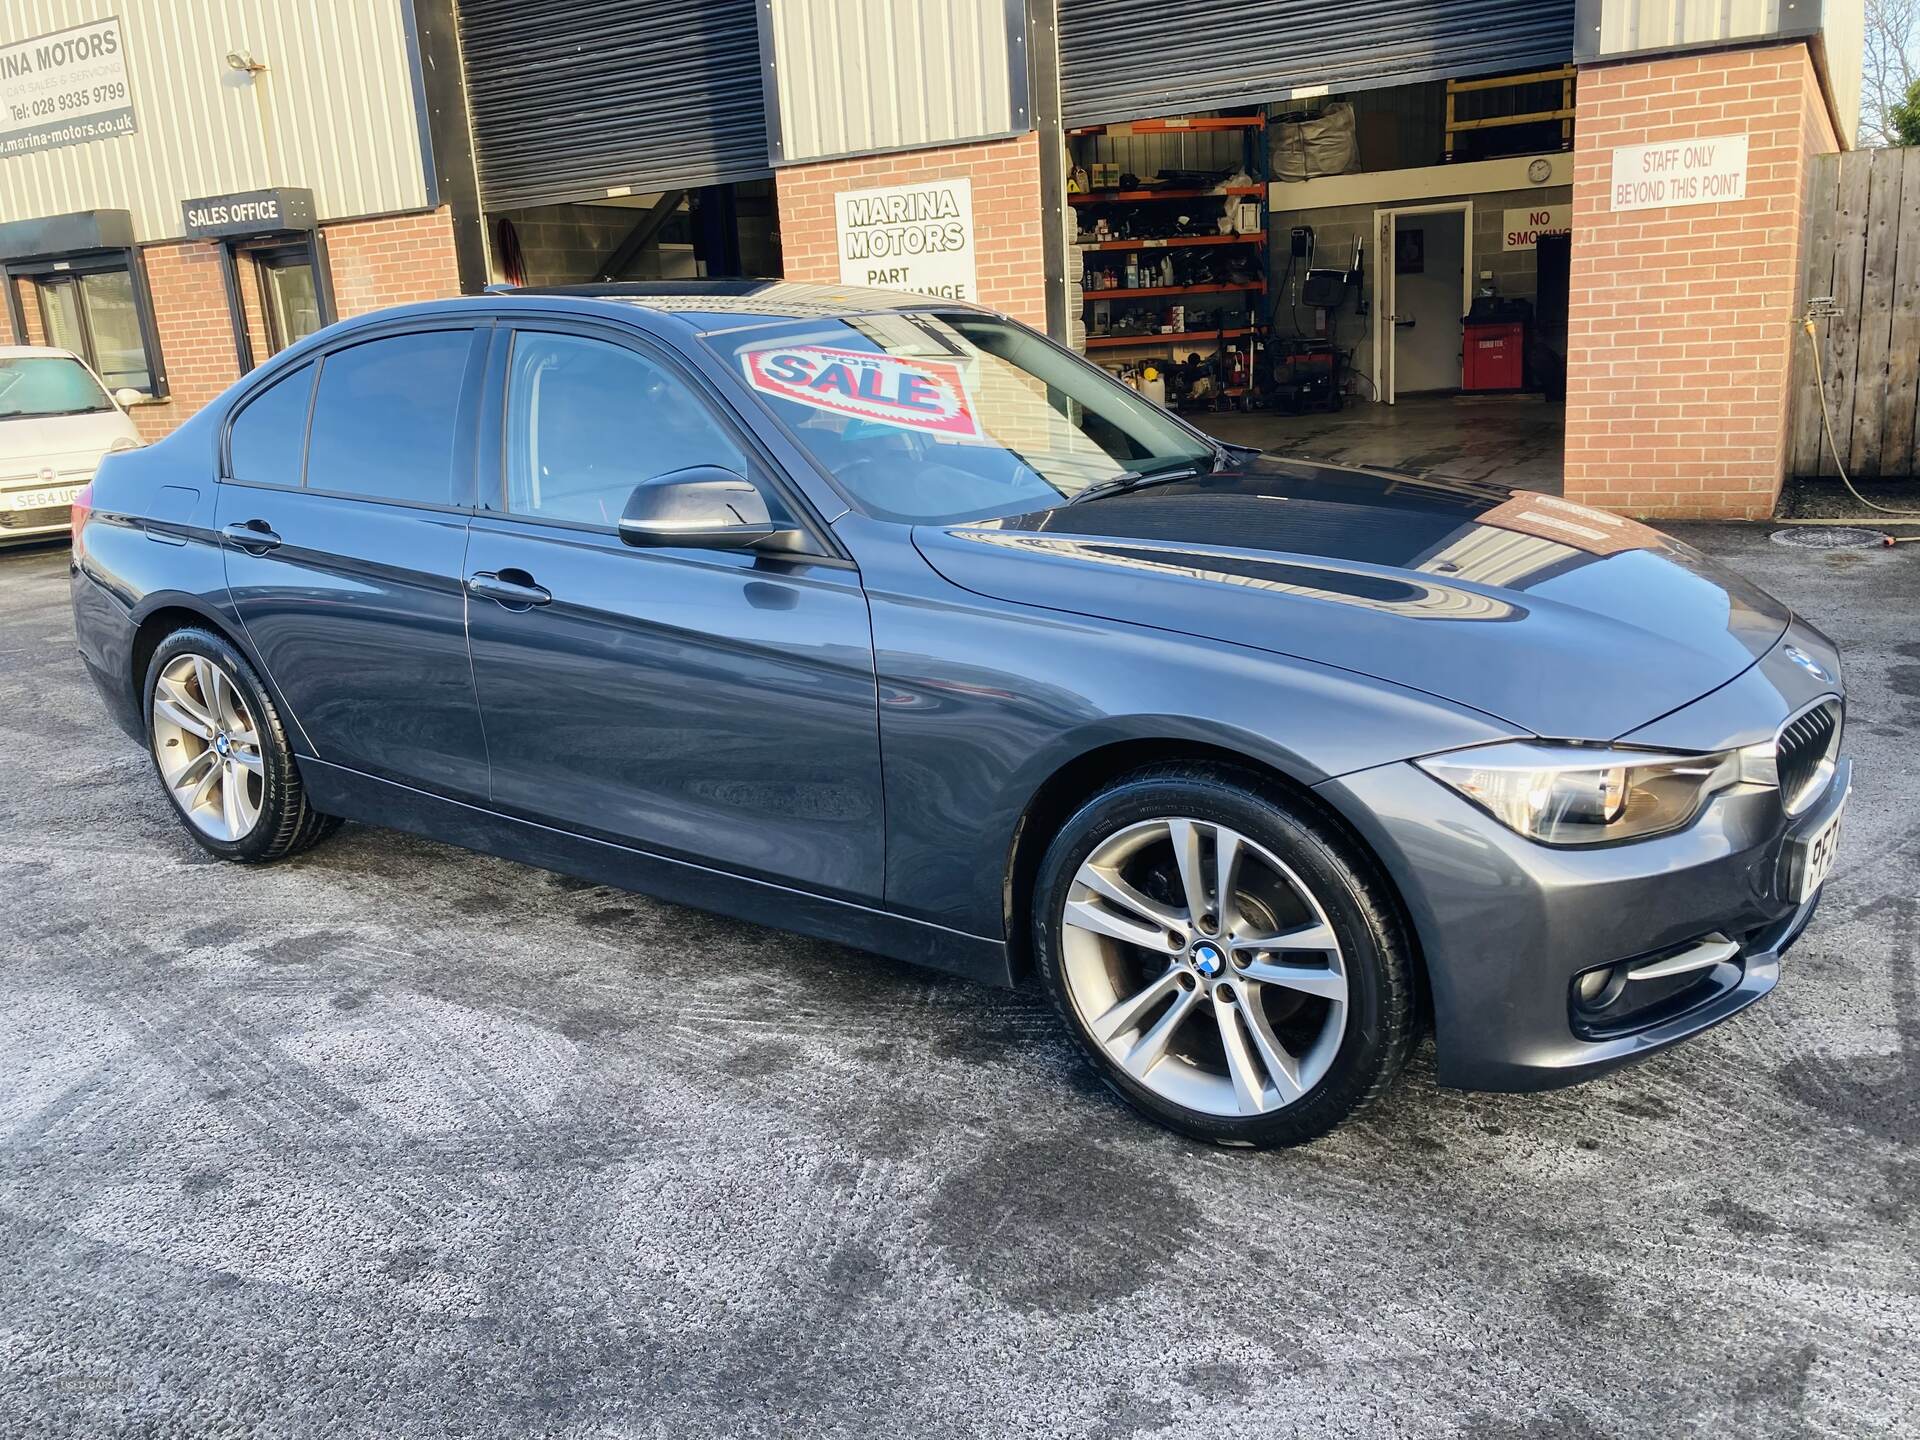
(868, 744)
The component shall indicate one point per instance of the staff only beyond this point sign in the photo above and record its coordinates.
(909, 237)
(1680, 172)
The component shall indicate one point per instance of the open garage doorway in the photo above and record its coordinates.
(706, 233)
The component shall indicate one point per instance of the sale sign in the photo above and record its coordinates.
(912, 393)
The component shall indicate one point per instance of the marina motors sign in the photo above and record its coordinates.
(909, 237)
(64, 88)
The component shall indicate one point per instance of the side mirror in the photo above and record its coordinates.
(702, 507)
(126, 397)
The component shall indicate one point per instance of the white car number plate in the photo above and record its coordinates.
(1817, 853)
(41, 499)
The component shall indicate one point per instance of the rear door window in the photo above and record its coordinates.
(264, 444)
(386, 418)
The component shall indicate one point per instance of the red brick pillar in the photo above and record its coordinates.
(1680, 327)
(1005, 176)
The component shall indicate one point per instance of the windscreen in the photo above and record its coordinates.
(943, 418)
(41, 385)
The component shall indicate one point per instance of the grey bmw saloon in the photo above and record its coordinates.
(883, 619)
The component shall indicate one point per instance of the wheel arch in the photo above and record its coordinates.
(160, 618)
(162, 615)
(1078, 780)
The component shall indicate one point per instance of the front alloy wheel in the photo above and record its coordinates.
(1226, 954)
(1204, 967)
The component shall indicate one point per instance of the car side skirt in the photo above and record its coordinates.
(336, 790)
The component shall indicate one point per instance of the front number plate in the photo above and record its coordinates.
(1815, 857)
(40, 499)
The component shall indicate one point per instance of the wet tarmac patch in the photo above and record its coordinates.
(1059, 1224)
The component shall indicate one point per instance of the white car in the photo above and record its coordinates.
(56, 421)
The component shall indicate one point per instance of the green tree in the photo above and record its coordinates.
(1903, 118)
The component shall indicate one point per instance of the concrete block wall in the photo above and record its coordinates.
(1681, 319)
(1006, 214)
(567, 244)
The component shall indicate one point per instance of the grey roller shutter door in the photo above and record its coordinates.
(1132, 59)
(573, 98)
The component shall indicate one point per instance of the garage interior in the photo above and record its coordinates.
(709, 232)
(1376, 276)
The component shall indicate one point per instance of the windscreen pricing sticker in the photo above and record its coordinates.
(925, 395)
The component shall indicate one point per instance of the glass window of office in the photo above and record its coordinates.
(288, 294)
(95, 314)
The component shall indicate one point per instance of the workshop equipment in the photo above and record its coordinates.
(1306, 376)
(1493, 352)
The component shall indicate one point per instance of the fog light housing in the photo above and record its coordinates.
(1595, 990)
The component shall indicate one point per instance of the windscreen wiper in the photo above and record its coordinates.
(1127, 481)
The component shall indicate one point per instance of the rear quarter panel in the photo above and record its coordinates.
(150, 545)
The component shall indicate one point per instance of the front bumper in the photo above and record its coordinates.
(1506, 926)
(39, 522)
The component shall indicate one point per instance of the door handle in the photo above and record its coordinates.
(256, 537)
(512, 588)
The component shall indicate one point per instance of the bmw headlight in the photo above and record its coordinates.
(1566, 794)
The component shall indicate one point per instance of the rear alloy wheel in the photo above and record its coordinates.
(220, 751)
(207, 745)
(1229, 967)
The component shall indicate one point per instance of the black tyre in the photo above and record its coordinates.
(221, 752)
(1263, 1020)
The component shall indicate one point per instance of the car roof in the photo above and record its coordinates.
(729, 304)
(694, 307)
(18, 352)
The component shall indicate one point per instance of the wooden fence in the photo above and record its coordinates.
(1862, 246)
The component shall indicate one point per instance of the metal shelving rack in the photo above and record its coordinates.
(1254, 161)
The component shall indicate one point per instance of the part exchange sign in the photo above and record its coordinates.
(1680, 172)
(65, 88)
(909, 237)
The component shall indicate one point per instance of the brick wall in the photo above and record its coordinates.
(1680, 326)
(1006, 214)
(30, 306)
(392, 261)
(196, 337)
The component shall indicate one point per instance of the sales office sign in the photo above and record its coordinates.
(248, 212)
(65, 88)
(909, 237)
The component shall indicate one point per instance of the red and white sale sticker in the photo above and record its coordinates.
(915, 394)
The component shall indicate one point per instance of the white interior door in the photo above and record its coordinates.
(1385, 306)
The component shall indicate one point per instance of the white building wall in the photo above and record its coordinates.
(864, 76)
(334, 112)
